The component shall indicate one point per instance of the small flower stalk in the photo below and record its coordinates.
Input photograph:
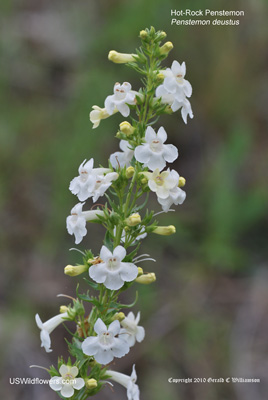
(115, 196)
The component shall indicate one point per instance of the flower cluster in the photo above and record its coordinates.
(104, 333)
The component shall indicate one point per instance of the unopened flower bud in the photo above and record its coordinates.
(146, 279)
(163, 35)
(75, 270)
(119, 316)
(160, 77)
(140, 271)
(143, 181)
(120, 58)
(63, 309)
(143, 34)
(166, 48)
(165, 230)
(133, 219)
(130, 172)
(126, 128)
(91, 383)
(182, 181)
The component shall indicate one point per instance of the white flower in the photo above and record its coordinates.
(84, 185)
(162, 182)
(154, 153)
(175, 90)
(176, 196)
(122, 158)
(174, 81)
(97, 114)
(131, 331)
(123, 95)
(129, 382)
(47, 327)
(76, 222)
(112, 272)
(169, 98)
(67, 382)
(103, 182)
(106, 345)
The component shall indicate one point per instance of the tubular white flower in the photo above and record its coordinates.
(76, 222)
(97, 114)
(174, 81)
(122, 158)
(129, 382)
(103, 182)
(154, 153)
(123, 95)
(47, 327)
(176, 196)
(169, 98)
(84, 185)
(67, 382)
(106, 345)
(112, 272)
(162, 182)
(131, 331)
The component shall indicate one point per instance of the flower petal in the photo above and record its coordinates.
(162, 134)
(67, 391)
(64, 369)
(100, 327)
(104, 356)
(150, 134)
(38, 321)
(129, 272)
(170, 84)
(120, 347)
(79, 383)
(109, 104)
(55, 383)
(98, 272)
(120, 252)
(143, 153)
(140, 334)
(114, 327)
(105, 253)
(123, 109)
(170, 153)
(156, 161)
(74, 371)
(113, 282)
(90, 346)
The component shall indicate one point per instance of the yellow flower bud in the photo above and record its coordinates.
(126, 128)
(63, 309)
(133, 219)
(146, 279)
(166, 48)
(120, 58)
(130, 172)
(140, 271)
(143, 34)
(119, 316)
(182, 181)
(165, 230)
(75, 270)
(160, 77)
(91, 383)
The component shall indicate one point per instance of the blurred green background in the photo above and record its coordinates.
(206, 315)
